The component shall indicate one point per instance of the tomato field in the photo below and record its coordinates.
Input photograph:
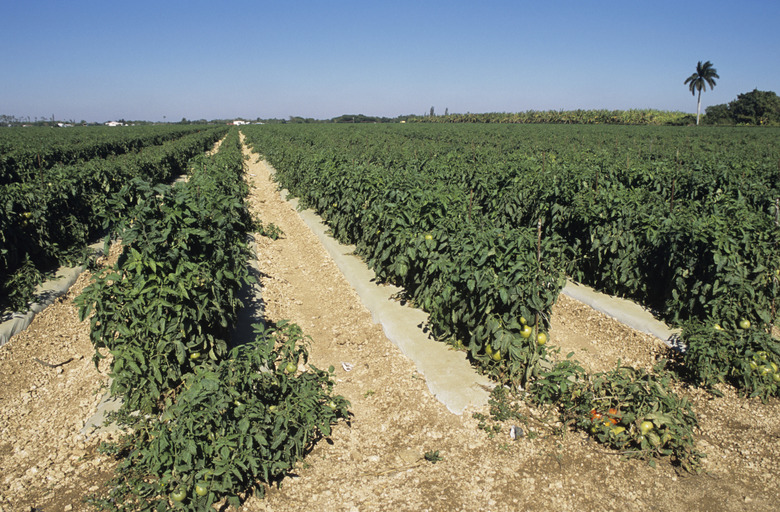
(56, 188)
(480, 225)
(218, 415)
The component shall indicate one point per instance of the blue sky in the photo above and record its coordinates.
(155, 60)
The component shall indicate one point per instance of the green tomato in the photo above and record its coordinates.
(178, 495)
(744, 323)
(526, 332)
(195, 356)
(201, 489)
(488, 349)
(496, 356)
(645, 427)
(291, 367)
(541, 338)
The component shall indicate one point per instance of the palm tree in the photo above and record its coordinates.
(705, 74)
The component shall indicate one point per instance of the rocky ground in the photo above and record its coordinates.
(377, 461)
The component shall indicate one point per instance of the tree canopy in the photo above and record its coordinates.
(751, 108)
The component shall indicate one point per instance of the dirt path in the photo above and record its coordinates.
(45, 462)
(376, 463)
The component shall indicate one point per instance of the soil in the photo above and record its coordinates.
(376, 462)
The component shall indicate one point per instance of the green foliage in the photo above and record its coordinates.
(21, 284)
(25, 153)
(433, 456)
(427, 233)
(233, 425)
(502, 408)
(745, 358)
(718, 115)
(50, 212)
(174, 290)
(615, 117)
(705, 75)
(479, 225)
(206, 424)
(757, 108)
(558, 382)
(271, 231)
(683, 222)
(612, 406)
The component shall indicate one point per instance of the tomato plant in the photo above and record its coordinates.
(221, 423)
(740, 357)
(53, 210)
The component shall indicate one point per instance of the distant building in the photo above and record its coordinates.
(114, 123)
(239, 122)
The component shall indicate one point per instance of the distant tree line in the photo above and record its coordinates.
(761, 108)
(637, 116)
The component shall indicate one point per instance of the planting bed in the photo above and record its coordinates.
(377, 462)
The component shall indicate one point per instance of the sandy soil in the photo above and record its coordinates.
(376, 462)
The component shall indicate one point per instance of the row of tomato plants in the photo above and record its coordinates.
(49, 221)
(685, 223)
(635, 116)
(24, 152)
(488, 282)
(211, 417)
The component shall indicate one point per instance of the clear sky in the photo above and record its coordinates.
(108, 59)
